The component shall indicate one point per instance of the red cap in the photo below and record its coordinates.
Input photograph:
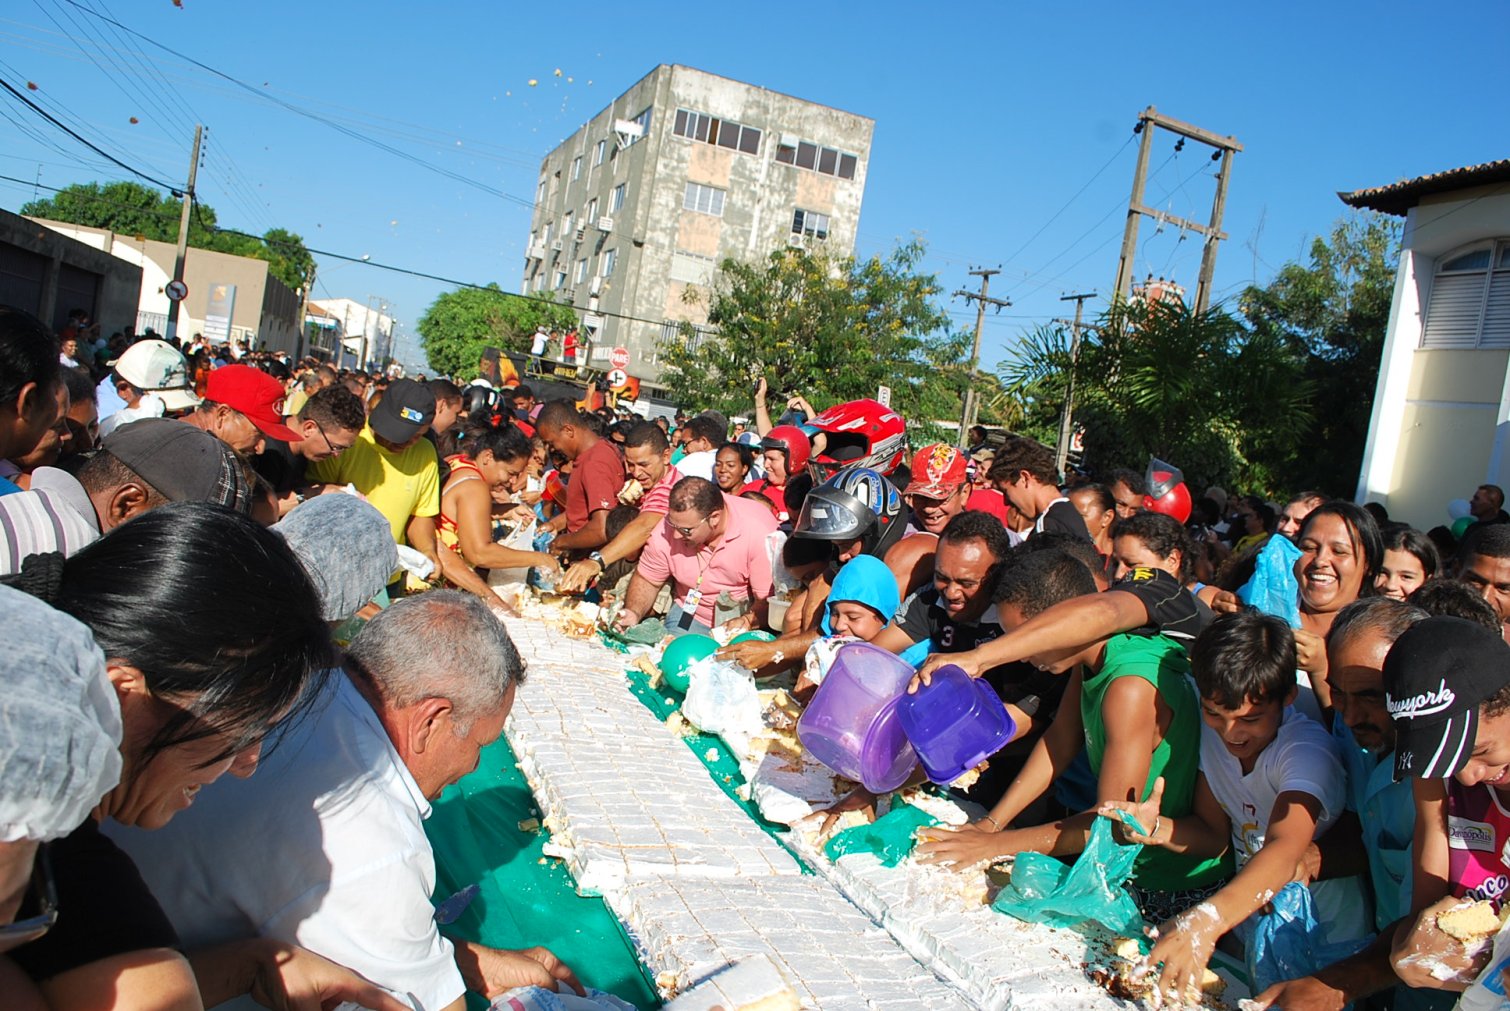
(255, 394)
(937, 471)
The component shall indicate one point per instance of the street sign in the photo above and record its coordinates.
(177, 291)
(618, 379)
(883, 396)
(619, 358)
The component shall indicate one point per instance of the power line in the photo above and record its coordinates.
(316, 117)
(346, 257)
(1029, 241)
(91, 146)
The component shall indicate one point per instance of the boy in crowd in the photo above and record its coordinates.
(1447, 689)
(1270, 782)
(1129, 703)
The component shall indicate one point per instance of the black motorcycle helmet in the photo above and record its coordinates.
(854, 503)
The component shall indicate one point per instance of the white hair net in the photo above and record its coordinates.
(60, 723)
(347, 548)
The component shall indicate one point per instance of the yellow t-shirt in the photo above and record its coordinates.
(398, 485)
(294, 402)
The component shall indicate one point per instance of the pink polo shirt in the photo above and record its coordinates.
(736, 563)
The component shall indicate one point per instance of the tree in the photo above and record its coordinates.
(1155, 379)
(136, 210)
(1334, 310)
(460, 323)
(831, 328)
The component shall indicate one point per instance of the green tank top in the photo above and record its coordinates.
(1163, 663)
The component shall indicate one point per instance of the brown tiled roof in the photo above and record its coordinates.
(1397, 198)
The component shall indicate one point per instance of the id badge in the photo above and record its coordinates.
(689, 609)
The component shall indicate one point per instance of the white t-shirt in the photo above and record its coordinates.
(323, 846)
(698, 464)
(1301, 759)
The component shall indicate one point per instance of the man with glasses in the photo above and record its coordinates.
(712, 550)
(326, 426)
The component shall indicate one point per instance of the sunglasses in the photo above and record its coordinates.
(687, 531)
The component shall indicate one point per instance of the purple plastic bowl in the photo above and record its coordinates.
(851, 723)
(954, 723)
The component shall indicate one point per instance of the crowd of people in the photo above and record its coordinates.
(220, 561)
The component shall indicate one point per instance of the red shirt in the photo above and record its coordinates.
(596, 477)
(988, 500)
(772, 492)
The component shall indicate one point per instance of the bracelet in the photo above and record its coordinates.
(995, 826)
(1157, 821)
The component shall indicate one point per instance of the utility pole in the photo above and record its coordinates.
(981, 299)
(1224, 148)
(1066, 421)
(183, 234)
(309, 286)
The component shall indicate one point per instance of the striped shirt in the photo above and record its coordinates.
(55, 515)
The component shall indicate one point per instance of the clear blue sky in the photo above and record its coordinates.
(989, 118)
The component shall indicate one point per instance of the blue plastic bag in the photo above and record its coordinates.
(1273, 588)
(1289, 942)
(890, 837)
(1044, 890)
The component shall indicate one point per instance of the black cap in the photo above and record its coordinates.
(1436, 677)
(184, 463)
(406, 408)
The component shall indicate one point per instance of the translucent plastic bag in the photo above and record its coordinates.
(890, 837)
(1044, 890)
(1289, 942)
(1273, 588)
(721, 699)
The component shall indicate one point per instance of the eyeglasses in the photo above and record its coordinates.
(45, 894)
(334, 449)
(687, 531)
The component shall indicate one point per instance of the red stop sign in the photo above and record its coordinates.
(619, 357)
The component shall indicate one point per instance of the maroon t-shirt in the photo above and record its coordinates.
(596, 477)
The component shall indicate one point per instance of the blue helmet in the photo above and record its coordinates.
(855, 503)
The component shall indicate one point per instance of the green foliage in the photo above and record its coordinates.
(1334, 310)
(1155, 379)
(460, 323)
(833, 329)
(140, 211)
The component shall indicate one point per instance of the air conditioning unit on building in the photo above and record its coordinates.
(557, 246)
(536, 251)
(569, 295)
(605, 223)
(581, 233)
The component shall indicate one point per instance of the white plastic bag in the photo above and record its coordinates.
(721, 699)
(522, 539)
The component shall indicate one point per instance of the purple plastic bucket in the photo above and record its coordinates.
(954, 723)
(851, 724)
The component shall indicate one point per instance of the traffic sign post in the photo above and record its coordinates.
(176, 290)
(619, 358)
(618, 379)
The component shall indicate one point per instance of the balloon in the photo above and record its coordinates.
(1460, 526)
(1458, 508)
(682, 653)
(759, 635)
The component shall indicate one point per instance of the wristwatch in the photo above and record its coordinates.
(597, 556)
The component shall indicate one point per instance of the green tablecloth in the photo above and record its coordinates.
(524, 902)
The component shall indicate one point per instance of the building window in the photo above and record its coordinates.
(592, 211)
(566, 232)
(704, 199)
(610, 257)
(576, 168)
(810, 223)
(540, 192)
(1469, 305)
(643, 121)
(616, 201)
(723, 132)
(581, 270)
(599, 152)
(827, 160)
(560, 280)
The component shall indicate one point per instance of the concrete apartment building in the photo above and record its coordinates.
(683, 170)
(230, 297)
